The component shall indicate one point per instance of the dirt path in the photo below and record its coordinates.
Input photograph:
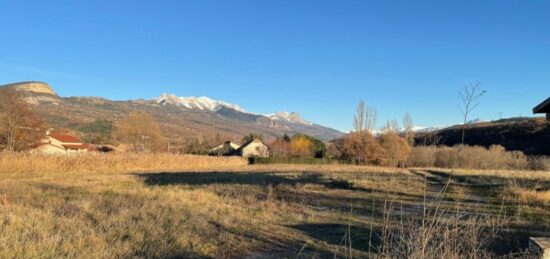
(444, 195)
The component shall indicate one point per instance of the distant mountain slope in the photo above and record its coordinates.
(179, 116)
(530, 135)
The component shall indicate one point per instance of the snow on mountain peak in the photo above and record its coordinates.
(198, 103)
(208, 104)
(293, 117)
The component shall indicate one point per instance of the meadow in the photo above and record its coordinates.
(159, 206)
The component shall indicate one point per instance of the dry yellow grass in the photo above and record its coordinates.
(122, 205)
(112, 162)
(529, 196)
(510, 174)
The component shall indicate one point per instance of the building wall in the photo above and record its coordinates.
(255, 149)
(53, 146)
(49, 149)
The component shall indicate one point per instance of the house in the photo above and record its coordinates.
(253, 148)
(544, 107)
(225, 149)
(61, 144)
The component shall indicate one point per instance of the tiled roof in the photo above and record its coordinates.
(65, 138)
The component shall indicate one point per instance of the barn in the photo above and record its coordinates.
(544, 107)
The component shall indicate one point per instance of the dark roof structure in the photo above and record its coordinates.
(225, 149)
(544, 107)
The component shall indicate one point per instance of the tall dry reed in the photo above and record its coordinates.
(109, 163)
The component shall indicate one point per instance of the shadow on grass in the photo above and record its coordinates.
(260, 179)
(333, 233)
(336, 234)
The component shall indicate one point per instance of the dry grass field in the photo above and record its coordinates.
(153, 206)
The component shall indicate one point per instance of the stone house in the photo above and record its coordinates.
(61, 144)
(253, 148)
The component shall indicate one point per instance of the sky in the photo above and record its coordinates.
(318, 58)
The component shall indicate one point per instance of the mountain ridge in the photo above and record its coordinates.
(207, 103)
(178, 116)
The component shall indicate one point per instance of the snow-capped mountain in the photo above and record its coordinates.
(198, 103)
(293, 117)
(208, 104)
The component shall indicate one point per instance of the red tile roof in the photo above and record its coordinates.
(65, 138)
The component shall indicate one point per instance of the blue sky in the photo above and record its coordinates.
(318, 58)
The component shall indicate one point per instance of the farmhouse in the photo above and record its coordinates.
(544, 107)
(61, 144)
(225, 149)
(253, 148)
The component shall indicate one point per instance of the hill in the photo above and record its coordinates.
(529, 135)
(179, 117)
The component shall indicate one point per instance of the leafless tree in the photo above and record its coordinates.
(469, 95)
(391, 126)
(359, 117)
(370, 119)
(408, 127)
(365, 118)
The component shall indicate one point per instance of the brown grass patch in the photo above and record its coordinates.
(124, 206)
(510, 174)
(529, 196)
(109, 163)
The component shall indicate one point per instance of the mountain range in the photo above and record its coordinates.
(178, 116)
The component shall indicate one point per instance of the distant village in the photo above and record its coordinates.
(65, 144)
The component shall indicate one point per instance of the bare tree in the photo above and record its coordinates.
(469, 95)
(359, 117)
(391, 126)
(365, 118)
(370, 119)
(408, 127)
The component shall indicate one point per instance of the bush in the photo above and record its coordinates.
(539, 163)
(362, 148)
(472, 157)
(422, 156)
(396, 149)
